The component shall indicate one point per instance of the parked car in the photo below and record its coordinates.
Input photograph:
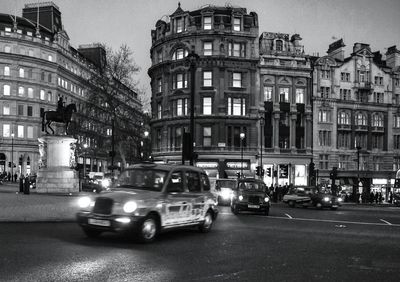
(250, 194)
(32, 181)
(396, 199)
(310, 196)
(224, 188)
(148, 198)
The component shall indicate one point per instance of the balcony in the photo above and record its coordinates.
(363, 85)
(378, 129)
(361, 128)
(346, 127)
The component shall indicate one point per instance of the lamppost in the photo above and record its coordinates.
(12, 156)
(242, 136)
(358, 174)
(192, 58)
(261, 146)
(84, 160)
(143, 146)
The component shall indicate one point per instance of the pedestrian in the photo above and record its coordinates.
(376, 197)
(9, 176)
(371, 197)
(380, 197)
(15, 177)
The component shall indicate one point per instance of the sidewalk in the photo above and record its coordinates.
(33, 207)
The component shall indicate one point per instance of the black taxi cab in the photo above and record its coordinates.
(148, 198)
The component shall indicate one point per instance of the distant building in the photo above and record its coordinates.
(356, 119)
(37, 66)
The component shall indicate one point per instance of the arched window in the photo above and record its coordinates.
(361, 119)
(343, 118)
(179, 53)
(377, 120)
(279, 45)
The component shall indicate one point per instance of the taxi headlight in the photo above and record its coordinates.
(266, 199)
(130, 206)
(340, 200)
(326, 199)
(240, 198)
(84, 202)
(105, 183)
(226, 194)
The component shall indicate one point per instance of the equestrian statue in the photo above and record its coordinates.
(62, 115)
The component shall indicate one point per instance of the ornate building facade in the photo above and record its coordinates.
(357, 117)
(226, 99)
(37, 67)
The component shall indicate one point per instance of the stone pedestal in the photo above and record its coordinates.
(57, 159)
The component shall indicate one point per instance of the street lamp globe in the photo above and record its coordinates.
(146, 134)
(242, 135)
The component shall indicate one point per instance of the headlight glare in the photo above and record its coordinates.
(326, 199)
(266, 199)
(240, 197)
(130, 206)
(84, 202)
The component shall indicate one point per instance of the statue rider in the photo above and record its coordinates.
(60, 106)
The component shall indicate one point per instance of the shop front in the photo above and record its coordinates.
(211, 167)
(233, 168)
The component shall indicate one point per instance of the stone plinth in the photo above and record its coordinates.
(57, 157)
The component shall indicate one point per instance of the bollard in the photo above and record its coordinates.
(21, 185)
(26, 186)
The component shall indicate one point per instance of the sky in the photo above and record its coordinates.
(319, 22)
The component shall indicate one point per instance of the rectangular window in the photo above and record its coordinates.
(237, 79)
(237, 24)
(323, 161)
(30, 92)
(21, 73)
(207, 48)
(284, 94)
(6, 70)
(207, 23)
(6, 130)
(6, 109)
(159, 111)
(179, 81)
(237, 49)
(236, 106)
(299, 96)
(207, 105)
(207, 136)
(159, 85)
(396, 142)
(20, 131)
(396, 121)
(21, 91)
(29, 131)
(207, 78)
(42, 95)
(268, 93)
(20, 110)
(6, 90)
(30, 111)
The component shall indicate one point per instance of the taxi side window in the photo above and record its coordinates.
(175, 183)
(206, 182)
(193, 181)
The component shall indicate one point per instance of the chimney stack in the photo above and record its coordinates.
(336, 50)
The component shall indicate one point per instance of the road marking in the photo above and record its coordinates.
(387, 222)
(288, 215)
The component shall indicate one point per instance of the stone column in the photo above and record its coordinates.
(57, 159)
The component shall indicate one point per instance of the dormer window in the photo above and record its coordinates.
(279, 45)
(179, 25)
(207, 23)
(237, 24)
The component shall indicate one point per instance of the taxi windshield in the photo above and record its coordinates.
(142, 179)
(251, 186)
(226, 184)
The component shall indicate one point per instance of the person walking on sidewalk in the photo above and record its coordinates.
(15, 177)
(9, 176)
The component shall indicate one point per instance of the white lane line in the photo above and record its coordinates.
(288, 215)
(387, 222)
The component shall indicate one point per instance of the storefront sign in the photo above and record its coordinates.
(381, 181)
(237, 165)
(206, 165)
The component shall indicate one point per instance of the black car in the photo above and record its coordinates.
(250, 194)
(311, 197)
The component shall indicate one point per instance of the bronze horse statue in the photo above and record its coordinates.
(55, 116)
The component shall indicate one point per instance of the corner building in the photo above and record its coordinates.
(226, 88)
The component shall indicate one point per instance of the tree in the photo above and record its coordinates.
(113, 105)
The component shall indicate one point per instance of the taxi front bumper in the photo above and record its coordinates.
(113, 223)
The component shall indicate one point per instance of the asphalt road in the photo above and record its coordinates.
(350, 244)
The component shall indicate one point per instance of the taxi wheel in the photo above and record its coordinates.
(91, 233)
(291, 204)
(207, 224)
(319, 206)
(148, 229)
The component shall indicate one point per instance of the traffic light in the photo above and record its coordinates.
(238, 174)
(262, 172)
(311, 169)
(333, 173)
(9, 164)
(258, 170)
(269, 172)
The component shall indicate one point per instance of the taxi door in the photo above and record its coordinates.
(196, 195)
(176, 202)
